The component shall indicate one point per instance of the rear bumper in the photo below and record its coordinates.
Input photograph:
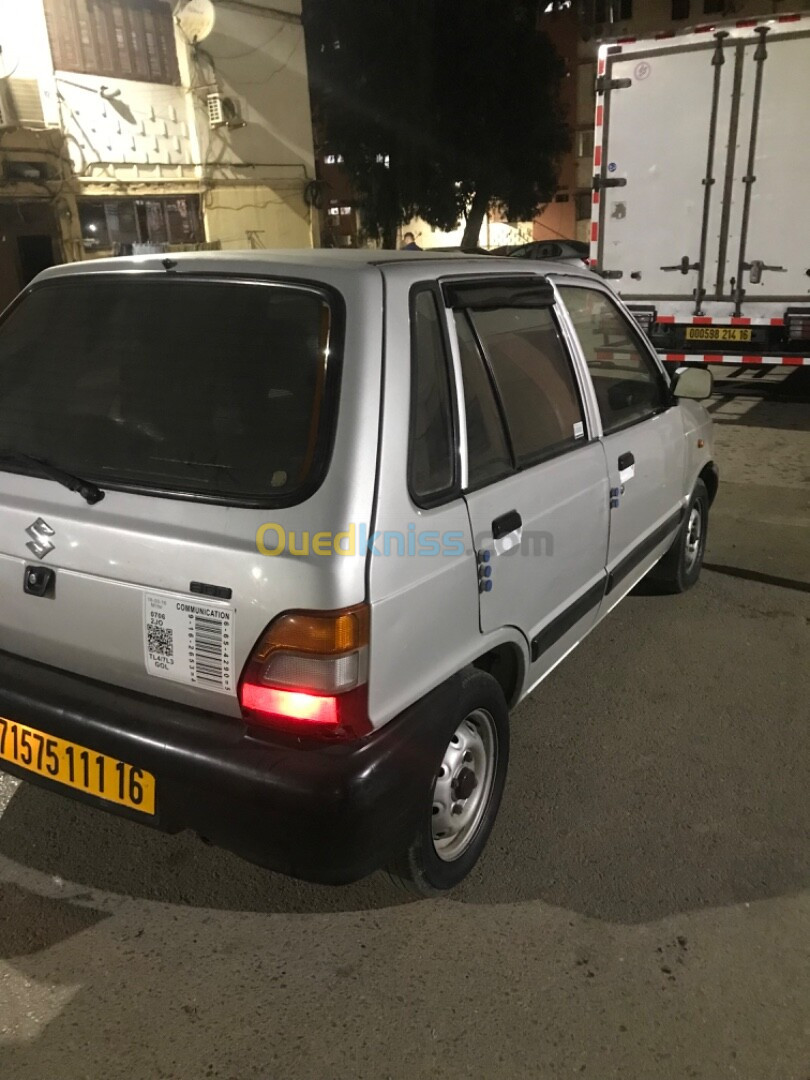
(763, 338)
(326, 813)
(769, 343)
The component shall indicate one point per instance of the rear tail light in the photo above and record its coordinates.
(797, 324)
(308, 674)
(307, 708)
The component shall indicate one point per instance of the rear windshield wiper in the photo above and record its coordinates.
(88, 490)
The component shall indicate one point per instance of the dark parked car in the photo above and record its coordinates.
(574, 252)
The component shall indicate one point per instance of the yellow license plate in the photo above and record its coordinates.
(717, 333)
(76, 766)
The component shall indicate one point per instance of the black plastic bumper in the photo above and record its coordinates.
(326, 813)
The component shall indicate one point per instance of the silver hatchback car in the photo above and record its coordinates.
(283, 537)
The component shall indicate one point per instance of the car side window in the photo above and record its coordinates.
(431, 442)
(534, 380)
(629, 386)
(487, 450)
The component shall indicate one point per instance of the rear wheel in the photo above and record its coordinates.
(468, 782)
(679, 569)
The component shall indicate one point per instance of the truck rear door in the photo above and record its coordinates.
(700, 146)
(656, 120)
(768, 252)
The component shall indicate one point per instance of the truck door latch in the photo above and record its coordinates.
(757, 266)
(600, 182)
(603, 83)
(684, 266)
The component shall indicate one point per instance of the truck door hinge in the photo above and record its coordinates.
(600, 182)
(603, 83)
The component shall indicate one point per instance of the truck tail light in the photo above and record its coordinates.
(644, 316)
(308, 673)
(797, 324)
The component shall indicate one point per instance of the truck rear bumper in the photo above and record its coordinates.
(768, 341)
(326, 813)
(733, 358)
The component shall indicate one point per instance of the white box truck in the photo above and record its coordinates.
(701, 188)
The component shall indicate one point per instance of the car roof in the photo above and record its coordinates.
(308, 263)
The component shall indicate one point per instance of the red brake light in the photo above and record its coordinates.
(292, 705)
(337, 716)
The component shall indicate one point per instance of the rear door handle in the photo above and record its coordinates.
(626, 460)
(507, 523)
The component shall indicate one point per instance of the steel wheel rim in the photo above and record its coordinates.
(694, 536)
(464, 785)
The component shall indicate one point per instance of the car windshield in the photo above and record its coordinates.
(220, 390)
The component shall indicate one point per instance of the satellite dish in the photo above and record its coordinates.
(196, 20)
(9, 62)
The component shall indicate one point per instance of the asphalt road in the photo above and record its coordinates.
(643, 909)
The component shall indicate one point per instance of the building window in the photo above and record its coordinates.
(680, 9)
(118, 224)
(585, 143)
(612, 10)
(583, 203)
(124, 39)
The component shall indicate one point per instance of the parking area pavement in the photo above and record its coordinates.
(642, 910)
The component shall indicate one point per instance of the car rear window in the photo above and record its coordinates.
(223, 390)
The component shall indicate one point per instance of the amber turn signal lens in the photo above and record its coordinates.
(325, 632)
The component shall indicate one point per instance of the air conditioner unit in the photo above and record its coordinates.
(20, 103)
(25, 95)
(216, 113)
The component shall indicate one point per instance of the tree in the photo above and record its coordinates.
(440, 108)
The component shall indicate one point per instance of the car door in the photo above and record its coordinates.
(535, 483)
(642, 434)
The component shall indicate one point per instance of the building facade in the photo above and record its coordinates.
(120, 133)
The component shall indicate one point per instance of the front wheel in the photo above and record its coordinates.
(679, 569)
(468, 782)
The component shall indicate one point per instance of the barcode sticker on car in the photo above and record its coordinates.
(189, 642)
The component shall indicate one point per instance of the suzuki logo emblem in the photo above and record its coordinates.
(40, 533)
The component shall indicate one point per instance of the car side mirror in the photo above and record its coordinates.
(693, 382)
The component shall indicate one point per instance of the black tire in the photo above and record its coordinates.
(679, 569)
(421, 869)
